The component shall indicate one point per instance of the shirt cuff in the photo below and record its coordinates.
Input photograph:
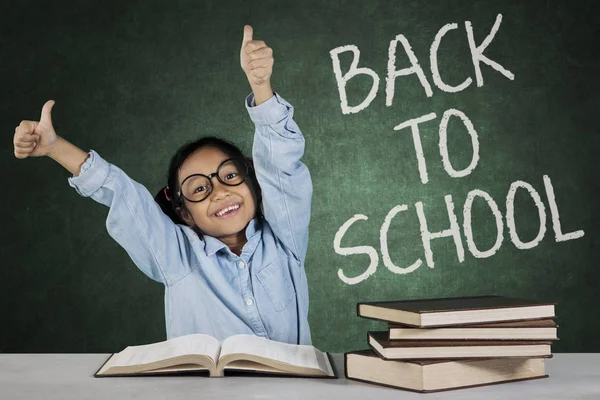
(270, 112)
(92, 175)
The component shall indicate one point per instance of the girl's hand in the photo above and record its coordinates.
(35, 138)
(256, 59)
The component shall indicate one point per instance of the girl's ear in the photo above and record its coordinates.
(185, 216)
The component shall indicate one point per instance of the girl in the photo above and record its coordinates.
(227, 268)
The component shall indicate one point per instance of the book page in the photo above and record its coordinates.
(180, 346)
(245, 365)
(297, 355)
(177, 368)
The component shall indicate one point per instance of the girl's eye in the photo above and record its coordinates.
(200, 189)
(230, 175)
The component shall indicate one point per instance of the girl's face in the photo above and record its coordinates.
(206, 213)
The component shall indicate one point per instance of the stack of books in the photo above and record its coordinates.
(441, 344)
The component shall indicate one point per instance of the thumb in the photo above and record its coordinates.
(47, 112)
(247, 35)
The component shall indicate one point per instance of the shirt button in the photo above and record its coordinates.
(241, 264)
(249, 302)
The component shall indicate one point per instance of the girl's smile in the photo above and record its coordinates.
(228, 211)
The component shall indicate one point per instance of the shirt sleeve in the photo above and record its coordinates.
(153, 241)
(284, 180)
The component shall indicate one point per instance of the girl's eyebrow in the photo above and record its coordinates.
(199, 173)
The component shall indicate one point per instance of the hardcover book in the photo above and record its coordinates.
(455, 311)
(438, 375)
(428, 349)
(543, 329)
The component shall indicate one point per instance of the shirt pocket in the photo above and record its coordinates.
(277, 284)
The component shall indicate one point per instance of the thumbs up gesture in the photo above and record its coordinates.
(35, 138)
(256, 59)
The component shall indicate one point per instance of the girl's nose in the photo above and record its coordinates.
(219, 190)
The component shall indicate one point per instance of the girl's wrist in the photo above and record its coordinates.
(55, 148)
(262, 92)
(68, 155)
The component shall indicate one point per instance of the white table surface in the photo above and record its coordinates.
(70, 376)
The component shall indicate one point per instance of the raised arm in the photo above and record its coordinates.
(284, 180)
(278, 147)
(134, 220)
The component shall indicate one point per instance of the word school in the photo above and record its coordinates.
(454, 231)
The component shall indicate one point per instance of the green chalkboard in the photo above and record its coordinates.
(518, 150)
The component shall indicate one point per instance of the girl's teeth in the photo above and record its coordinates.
(225, 211)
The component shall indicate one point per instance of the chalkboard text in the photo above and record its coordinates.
(454, 230)
(477, 57)
(443, 143)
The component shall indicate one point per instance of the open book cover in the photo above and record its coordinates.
(440, 374)
(455, 311)
(204, 353)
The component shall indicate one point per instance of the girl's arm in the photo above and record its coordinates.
(278, 146)
(160, 248)
(155, 244)
(284, 180)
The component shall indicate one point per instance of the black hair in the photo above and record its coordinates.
(170, 203)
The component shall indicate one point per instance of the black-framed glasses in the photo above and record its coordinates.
(198, 187)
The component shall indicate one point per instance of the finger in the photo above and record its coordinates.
(261, 73)
(247, 35)
(19, 154)
(254, 45)
(47, 112)
(262, 63)
(26, 138)
(28, 126)
(24, 135)
(263, 52)
(21, 145)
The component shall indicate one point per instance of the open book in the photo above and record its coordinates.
(199, 352)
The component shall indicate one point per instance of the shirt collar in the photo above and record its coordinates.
(212, 244)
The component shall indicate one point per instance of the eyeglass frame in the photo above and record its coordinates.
(210, 176)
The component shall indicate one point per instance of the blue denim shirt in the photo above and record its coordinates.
(209, 289)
